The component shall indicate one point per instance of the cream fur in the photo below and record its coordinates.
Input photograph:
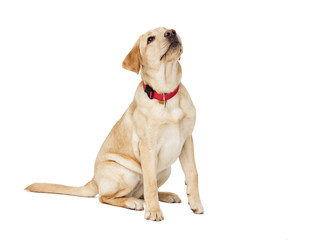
(136, 157)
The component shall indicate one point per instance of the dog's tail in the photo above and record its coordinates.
(90, 189)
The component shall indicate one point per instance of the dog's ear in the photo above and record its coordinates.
(132, 60)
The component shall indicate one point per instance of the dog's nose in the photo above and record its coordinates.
(170, 34)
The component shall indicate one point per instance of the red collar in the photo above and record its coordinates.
(162, 97)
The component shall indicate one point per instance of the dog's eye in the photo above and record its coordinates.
(150, 39)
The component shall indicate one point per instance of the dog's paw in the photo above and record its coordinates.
(198, 209)
(195, 206)
(135, 204)
(169, 197)
(154, 215)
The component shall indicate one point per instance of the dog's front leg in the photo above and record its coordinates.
(188, 164)
(148, 163)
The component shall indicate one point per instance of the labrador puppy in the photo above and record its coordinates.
(156, 129)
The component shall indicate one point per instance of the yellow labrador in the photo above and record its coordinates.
(136, 157)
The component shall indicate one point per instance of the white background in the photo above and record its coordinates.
(256, 74)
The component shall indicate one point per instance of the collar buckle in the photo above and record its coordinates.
(149, 91)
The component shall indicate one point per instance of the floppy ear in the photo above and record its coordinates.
(132, 60)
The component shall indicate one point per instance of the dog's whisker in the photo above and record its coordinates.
(165, 45)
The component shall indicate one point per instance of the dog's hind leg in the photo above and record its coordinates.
(125, 202)
(166, 196)
(115, 183)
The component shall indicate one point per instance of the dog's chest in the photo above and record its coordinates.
(170, 142)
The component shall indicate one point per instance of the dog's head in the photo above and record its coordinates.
(154, 48)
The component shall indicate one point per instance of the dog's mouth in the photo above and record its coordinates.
(173, 45)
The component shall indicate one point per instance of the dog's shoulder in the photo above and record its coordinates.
(186, 103)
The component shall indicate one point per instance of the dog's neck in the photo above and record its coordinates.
(163, 78)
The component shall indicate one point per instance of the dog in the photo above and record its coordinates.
(156, 130)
